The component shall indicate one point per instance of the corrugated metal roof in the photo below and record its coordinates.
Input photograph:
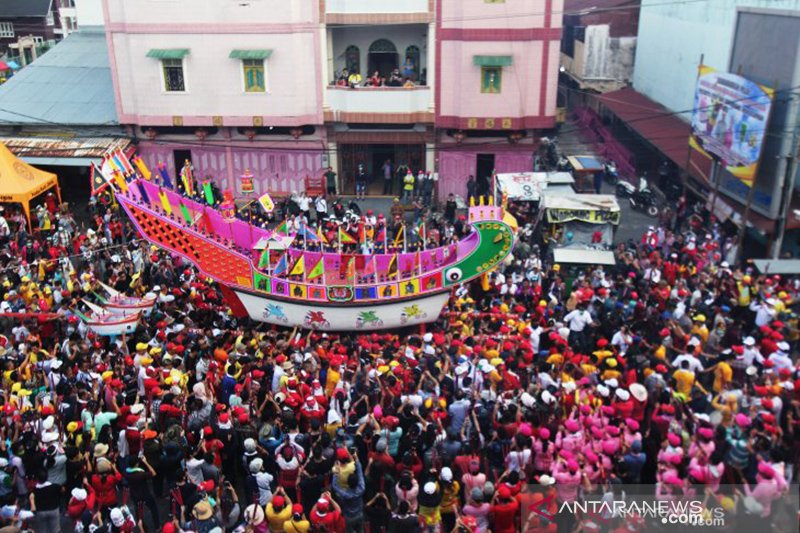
(69, 85)
(24, 8)
(65, 146)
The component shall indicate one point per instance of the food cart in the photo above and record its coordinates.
(529, 186)
(584, 167)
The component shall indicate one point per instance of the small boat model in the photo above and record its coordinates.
(106, 323)
(316, 289)
(120, 304)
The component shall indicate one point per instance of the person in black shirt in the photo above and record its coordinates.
(44, 502)
(137, 475)
(403, 520)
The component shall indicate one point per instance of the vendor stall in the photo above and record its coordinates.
(21, 183)
(579, 220)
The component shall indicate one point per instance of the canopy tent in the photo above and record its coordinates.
(20, 182)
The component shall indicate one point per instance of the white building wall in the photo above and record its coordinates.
(673, 36)
(371, 6)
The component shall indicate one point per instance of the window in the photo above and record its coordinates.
(491, 78)
(353, 59)
(254, 76)
(6, 29)
(173, 75)
(38, 39)
(50, 20)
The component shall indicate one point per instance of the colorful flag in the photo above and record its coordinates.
(126, 163)
(362, 233)
(143, 192)
(321, 235)
(186, 215)
(165, 202)
(121, 183)
(281, 267)
(318, 270)
(345, 237)
(399, 237)
(263, 261)
(97, 180)
(299, 267)
(283, 228)
(392, 270)
(266, 202)
(209, 192)
(162, 170)
(307, 234)
(143, 170)
(351, 268)
(369, 269)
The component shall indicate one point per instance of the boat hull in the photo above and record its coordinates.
(146, 307)
(114, 327)
(352, 317)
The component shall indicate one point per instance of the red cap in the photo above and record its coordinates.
(224, 418)
(342, 455)
(278, 501)
(297, 509)
(207, 486)
(504, 492)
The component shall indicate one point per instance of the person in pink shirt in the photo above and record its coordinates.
(568, 479)
(570, 437)
(768, 488)
(543, 451)
(631, 432)
(474, 478)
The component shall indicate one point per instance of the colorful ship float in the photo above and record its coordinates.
(347, 291)
(109, 324)
(120, 304)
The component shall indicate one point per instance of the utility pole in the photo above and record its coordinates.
(786, 198)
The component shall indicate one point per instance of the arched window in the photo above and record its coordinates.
(382, 58)
(411, 66)
(352, 59)
(384, 46)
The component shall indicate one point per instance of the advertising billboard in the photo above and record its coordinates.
(729, 121)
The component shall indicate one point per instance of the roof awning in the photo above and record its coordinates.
(583, 256)
(67, 151)
(492, 61)
(168, 53)
(250, 54)
(777, 266)
(656, 124)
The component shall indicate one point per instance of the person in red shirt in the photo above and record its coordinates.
(326, 515)
(504, 511)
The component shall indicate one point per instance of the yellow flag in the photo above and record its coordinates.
(121, 183)
(165, 202)
(143, 170)
(317, 271)
(399, 237)
(298, 268)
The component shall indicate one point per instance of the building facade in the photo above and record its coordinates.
(758, 39)
(29, 27)
(497, 83)
(281, 89)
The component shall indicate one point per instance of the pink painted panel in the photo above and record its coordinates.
(275, 171)
(513, 162)
(454, 168)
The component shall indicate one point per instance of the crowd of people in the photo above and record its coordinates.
(672, 369)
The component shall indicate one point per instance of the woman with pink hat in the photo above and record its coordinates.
(543, 450)
(768, 488)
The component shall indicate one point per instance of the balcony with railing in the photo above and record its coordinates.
(372, 12)
(379, 104)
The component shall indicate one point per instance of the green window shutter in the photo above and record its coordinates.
(250, 54)
(168, 53)
(492, 61)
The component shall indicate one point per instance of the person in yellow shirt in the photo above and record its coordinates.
(278, 511)
(723, 375)
(298, 523)
(449, 505)
(685, 381)
(700, 329)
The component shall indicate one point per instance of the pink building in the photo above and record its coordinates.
(230, 86)
(258, 85)
(497, 72)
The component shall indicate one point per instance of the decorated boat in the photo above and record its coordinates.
(120, 304)
(106, 323)
(265, 276)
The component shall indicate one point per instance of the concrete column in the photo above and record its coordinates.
(430, 157)
(432, 59)
(333, 156)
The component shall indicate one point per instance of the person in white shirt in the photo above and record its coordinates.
(622, 339)
(577, 321)
(321, 207)
(781, 358)
(694, 363)
(765, 311)
(751, 352)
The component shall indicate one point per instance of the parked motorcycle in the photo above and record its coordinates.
(645, 201)
(624, 189)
